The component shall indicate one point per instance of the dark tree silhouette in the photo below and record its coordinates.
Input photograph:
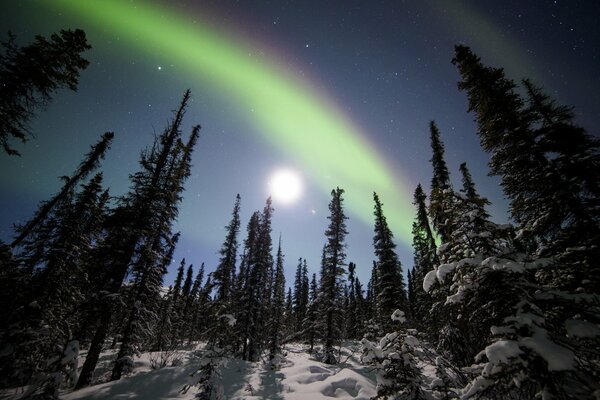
(29, 76)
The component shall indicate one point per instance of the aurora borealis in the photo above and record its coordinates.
(342, 93)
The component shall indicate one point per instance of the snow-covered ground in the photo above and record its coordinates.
(300, 378)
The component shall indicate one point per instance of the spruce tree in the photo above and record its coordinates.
(425, 257)
(139, 232)
(312, 313)
(300, 296)
(30, 75)
(277, 312)
(245, 288)
(371, 303)
(391, 294)
(351, 308)
(163, 326)
(195, 308)
(332, 271)
(255, 299)
(56, 256)
(539, 295)
(225, 271)
(558, 201)
(178, 281)
(88, 165)
(440, 204)
(184, 305)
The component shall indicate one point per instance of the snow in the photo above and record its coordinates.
(411, 341)
(501, 351)
(399, 316)
(456, 298)
(581, 329)
(230, 319)
(443, 270)
(558, 358)
(442, 248)
(429, 280)
(504, 264)
(299, 378)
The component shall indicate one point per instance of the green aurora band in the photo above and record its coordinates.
(287, 110)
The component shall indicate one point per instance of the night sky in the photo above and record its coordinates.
(341, 92)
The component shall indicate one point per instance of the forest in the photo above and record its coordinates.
(485, 311)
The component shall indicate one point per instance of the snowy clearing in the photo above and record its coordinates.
(301, 377)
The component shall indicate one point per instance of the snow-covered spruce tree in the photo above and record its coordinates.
(396, 359)
(225, 271)
(258, 269)
(156, 251)
(162, 331)
(312, 314)
(48, 275)
(546, 345)
(372, 329)
(352, 310)
(361, 306)
(424, 260)
(556, 207)
(203, 320)
(29, 75)
(330, 290)
(90, 163)
(300, 294)
(196, 307)
(141, 317)
(440, 199)
(277, 312)
(139, 228)
(289, 322)
(64, 284)
(474, 239)
(214, 356)
(574, 156)
(184, 308)
(60, 283)
(391, 295)
(449, 336)
(243, 291)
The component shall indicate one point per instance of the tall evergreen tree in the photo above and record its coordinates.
(88, 165)
(245, 289)
(425, 259)
(225, 271)
(178, 281)
(56, 260)
(332, 271)
(537, 294)
(559, 200)
(312, 313)
(440, 204)
(256, 298)
(195, 307)
(300, 296)
(183, 307)
(371, 302)
(30, 75)
(352, 310)
(391, 294)
(139, 231)
(277, 311)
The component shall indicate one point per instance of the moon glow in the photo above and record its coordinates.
(285, 186)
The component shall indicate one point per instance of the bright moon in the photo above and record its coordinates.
(285, 186)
